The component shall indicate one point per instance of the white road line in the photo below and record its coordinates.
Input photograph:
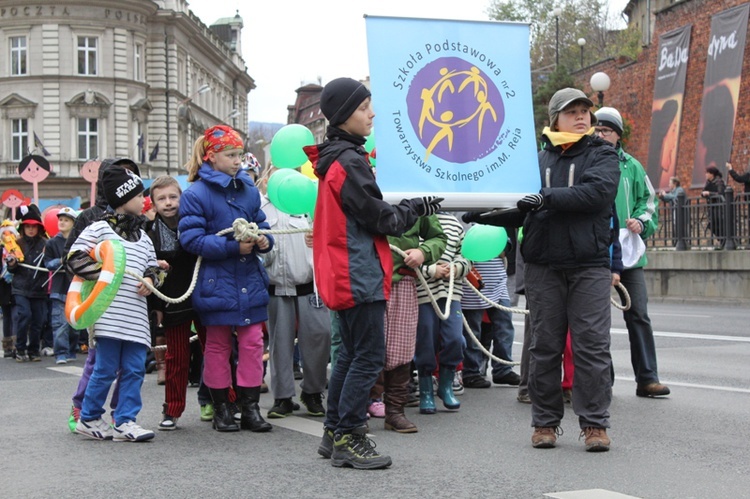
(74, 370)
(589, 494)
(680, 315)
(693, 385)
(667, 334)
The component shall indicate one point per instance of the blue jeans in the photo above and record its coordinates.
(361, 357)
(65, 337)
(640, 332)
(502, 333)
(29, 315)
(436, 337)
(130, 358)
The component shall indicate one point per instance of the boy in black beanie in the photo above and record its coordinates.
(354, 265)
(121, 342)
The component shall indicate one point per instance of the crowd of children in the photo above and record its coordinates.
(258, 285)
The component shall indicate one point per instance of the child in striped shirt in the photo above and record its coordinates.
(122, 332)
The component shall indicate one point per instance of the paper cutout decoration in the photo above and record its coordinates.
(12, 198)
(34, 169)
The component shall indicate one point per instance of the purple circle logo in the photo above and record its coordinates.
(456, 110)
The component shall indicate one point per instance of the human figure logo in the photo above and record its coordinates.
(455, 109)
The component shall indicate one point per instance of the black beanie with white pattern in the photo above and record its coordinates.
(120, 186)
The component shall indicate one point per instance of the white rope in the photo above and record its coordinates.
(242, 229)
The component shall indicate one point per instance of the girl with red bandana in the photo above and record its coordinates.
(231, 294)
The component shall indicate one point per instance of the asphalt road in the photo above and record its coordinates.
(693, 444)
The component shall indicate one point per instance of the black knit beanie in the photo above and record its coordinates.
(120, 186)
(340, 98)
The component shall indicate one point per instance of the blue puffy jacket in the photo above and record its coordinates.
(232, 289)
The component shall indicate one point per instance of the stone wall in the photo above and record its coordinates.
(699, 276)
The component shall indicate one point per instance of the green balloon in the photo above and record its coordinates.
(274, 181)
(296, 194)
(287, 144)
(484, 242)
(520, 235)
(370, 142)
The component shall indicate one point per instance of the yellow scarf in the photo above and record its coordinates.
(560, 138)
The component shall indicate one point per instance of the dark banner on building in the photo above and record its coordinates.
(721, 88)
(666, 111)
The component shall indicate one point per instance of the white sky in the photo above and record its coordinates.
(282, 51)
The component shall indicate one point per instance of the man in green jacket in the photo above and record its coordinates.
(636, 205)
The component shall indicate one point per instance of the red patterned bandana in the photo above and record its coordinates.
(220, 137)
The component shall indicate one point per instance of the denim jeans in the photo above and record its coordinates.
(65, 337)
(361, 357)
(502, 334)
(130, 358)
(29, 315)
(441, 338)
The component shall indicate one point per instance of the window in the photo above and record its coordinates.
(88, 138)
(17, 55)
(19, 138)
(87, 55)
(138, 62)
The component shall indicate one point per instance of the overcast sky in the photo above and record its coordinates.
(289, 42)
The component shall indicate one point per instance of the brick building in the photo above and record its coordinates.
(632, 87)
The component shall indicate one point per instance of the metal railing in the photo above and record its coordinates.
(716, 222)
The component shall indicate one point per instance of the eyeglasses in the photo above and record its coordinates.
(604, 132)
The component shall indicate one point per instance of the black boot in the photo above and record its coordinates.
(251, 418)
(223, 420)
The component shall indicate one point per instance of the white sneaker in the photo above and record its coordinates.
(97, 429)
(458, 384)
(131, 432)
(47, 352)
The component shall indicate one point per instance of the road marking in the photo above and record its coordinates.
(667, 334)
(694, 385)
(700, 316)
(74, 370)
(691, 336)
(296, 423)
(589, 494)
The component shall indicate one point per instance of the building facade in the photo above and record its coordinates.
(632, 88)
(106, 78)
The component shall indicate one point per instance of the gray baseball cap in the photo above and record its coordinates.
(565, 97)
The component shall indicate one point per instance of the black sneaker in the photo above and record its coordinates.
(22, 357)
(297, 372)
(511, 379)
(356, 450)
(314, 403)
(476, 382)
(281, 408)
(325, 448)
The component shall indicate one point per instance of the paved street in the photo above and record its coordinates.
(693, 444)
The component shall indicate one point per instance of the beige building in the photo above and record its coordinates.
(110, 78)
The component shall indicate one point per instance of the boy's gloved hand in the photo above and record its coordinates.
(531, 202)
(427, 205)
(471, 216)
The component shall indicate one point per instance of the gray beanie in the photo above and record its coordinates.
(609, 116)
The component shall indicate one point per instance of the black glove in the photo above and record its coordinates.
(426, 205)
(471, 216)
(532, 202)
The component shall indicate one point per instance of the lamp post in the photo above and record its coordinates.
(581, 43)
(233, 115)
(600, 83)
(556, 12)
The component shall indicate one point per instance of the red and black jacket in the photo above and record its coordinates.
(352, 258)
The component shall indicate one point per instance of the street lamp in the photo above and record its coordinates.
(581, 43)
(600, 83)
(556, 12)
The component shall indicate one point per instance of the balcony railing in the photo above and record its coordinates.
(717, 222)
